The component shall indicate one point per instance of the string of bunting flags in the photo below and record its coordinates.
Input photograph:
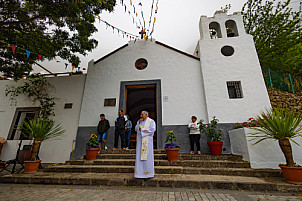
(28, 53)
(140, 17)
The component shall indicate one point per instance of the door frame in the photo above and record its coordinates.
(157, 83)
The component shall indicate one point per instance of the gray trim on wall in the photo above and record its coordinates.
(181, 132)
(158, 102)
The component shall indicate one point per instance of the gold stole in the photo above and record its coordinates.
(145, 141)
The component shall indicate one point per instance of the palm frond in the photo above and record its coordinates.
(41, 129)
(279, 123)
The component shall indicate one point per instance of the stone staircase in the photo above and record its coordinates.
(197, 171)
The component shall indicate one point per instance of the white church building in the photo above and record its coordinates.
(223, 78)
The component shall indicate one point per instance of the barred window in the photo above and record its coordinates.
(234, 89)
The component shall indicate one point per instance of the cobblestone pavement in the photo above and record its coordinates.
(13, 192)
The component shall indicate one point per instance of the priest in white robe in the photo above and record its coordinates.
(144, 163)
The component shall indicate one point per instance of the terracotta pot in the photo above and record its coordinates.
(172, 153)
(292, 175)
(215, 148)
(31, 167)
(92, 153)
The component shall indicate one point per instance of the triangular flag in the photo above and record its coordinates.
(140, 4)
(154, 19)
(73, 67)
(39, 56)
(13, 48)
(99, 18)
(49, 58)
(66, 64)
(130, 3)
(133, 9)
(22, 78)
(79, 68)
(27, 53)
(125, 8)
(88, 9)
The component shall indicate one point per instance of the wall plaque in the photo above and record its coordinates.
(110, 102)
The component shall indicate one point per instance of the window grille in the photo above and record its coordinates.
(234, 89)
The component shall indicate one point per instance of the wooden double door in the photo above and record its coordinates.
(139, 98)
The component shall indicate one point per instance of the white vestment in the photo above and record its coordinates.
(144, 168)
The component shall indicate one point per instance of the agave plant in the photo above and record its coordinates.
(280, 124)
(41, 130)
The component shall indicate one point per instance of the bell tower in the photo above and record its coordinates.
(232, 78)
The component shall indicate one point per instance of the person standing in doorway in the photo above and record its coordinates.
(144, 162)
(120, 123)
(103, 127)
(194, 135)
(128, 128)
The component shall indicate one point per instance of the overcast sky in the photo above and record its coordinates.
(176, 25)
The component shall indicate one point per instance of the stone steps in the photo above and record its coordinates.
(196, 171)
(163, 156)
(96, 168)
(187, 163)
(173, 181)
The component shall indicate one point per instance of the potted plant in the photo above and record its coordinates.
(172, 149)
(92, 147)
(39, 130)
(214, 135)
(283, 125)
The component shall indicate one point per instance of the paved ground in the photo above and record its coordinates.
(13, 192)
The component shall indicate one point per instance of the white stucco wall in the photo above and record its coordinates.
(266, 154)
(69, 89)
(179, 74)
(242, 66)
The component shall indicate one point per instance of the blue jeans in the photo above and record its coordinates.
(102, 136)
(128, 135)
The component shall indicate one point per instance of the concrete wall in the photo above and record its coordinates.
(242, 66)
(266, 154)
(69, 89)
(181, 132)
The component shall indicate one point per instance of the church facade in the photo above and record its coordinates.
(222, 78)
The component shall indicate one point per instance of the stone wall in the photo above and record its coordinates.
(285, 99)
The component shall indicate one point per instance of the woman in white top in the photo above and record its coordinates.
(194, 135)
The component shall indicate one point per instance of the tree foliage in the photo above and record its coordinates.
(47, 27)
(277, 32)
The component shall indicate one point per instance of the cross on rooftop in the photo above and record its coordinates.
(142, 32)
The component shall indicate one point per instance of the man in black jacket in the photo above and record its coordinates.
(120, 124)
(103, 127)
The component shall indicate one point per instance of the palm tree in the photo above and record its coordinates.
(40, 130)
(280, 124)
